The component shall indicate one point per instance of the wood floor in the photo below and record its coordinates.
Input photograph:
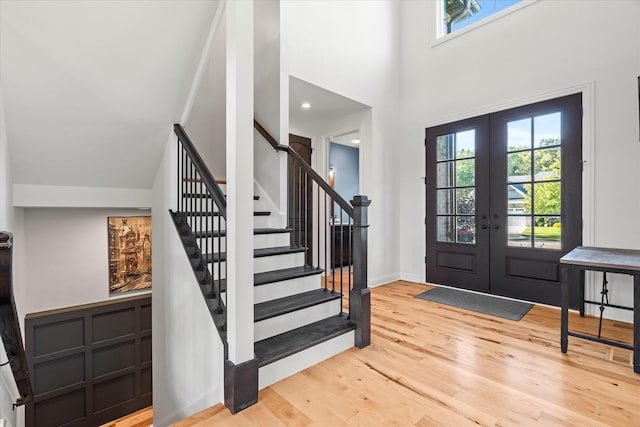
(435, 365)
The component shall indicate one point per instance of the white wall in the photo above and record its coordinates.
(206, 121)
(513, 59)
(6, 205)
(351, 48)
(269, 92)
(187, 351)
(8, 390)
(68, 257)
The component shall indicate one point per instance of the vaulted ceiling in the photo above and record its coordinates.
(91, 88)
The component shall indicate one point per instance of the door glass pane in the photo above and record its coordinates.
(519, 166)
(546, 198)
(547, 130)
(519, 231)
(445, 229)
(518, 199)
(466, 144)
(547, 164)
(547, 232)
(466, 229)
(465, 201)
(445, 147)
(444, 173)
(445, 202)
(465, 173)
(519, 134)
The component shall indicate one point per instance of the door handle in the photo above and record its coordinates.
(485, 224)
(496, 226)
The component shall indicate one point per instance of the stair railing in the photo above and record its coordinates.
(9, 325)
(202, 205)
(339, 230)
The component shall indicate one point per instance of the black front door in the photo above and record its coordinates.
(458, 204)
(504, 199)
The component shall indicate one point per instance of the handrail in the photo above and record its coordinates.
(9, 326)
(343, 243)
(200, 218)
(305, 167)
(208, 179)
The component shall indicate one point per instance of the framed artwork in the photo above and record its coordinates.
(129, 253)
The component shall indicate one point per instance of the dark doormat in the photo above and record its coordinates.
(487, 304)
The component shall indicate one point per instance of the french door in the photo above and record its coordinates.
(504, 199)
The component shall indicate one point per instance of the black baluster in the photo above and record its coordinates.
(306, 220)
(350, 254)
(299, 216)
(191, 186)
(333, 250)
(341, 258)
(201, 191)
(183, 181)
(178, 177)
(326, 266)
(318, 226)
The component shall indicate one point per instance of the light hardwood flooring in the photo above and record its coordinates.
(435, 365)
(141, 418)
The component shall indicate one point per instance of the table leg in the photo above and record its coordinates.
(636, 323)
(581, 277)
(564, 310)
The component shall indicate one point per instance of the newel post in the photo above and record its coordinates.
(359, 296)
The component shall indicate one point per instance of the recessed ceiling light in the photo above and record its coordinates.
(306, 105)
(355, 141)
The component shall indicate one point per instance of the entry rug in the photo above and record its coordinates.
(487, 304)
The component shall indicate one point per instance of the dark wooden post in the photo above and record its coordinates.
(9, 327)
(359, 296)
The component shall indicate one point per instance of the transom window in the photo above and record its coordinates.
(459, 14)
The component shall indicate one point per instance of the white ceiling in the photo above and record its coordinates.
(91, 88)
(326, 106)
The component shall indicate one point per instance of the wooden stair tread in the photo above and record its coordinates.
(277, 250)
(218, 181)
(271, 230)
(284, 274)
(216, 213)
(258, 253)
(216, 233)
(277, 307)
(280, 346)
(206, 196)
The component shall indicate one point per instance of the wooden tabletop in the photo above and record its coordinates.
(615, 259)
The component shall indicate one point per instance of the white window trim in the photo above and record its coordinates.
(489, 19)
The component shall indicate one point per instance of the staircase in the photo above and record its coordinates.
(299, 313)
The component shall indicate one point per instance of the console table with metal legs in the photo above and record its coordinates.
(607, 260)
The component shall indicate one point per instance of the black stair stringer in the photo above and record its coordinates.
(203, 276)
